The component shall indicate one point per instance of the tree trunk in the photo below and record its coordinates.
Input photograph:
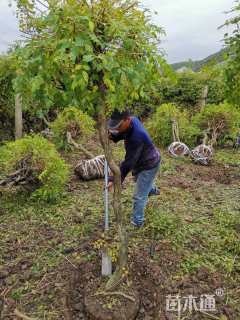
(116, 278)
(18, 117)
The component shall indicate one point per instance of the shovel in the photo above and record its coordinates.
(106, 259)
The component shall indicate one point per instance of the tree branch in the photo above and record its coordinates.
(79, 146)
(22, 316)
(43, 4)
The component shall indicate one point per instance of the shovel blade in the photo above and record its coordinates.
(106, 264)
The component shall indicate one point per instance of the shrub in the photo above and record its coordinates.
(160, 125)
(73, 120)
(219, 120)
(39, 166)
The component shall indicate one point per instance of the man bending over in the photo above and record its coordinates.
(142, 158)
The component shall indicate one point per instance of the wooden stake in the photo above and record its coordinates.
(18, 117)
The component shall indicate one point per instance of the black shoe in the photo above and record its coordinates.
(156, 192)
(136, 225)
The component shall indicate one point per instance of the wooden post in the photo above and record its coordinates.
(18, 117)
(175, 130)
(203, 98)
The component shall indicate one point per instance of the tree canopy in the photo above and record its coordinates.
(232, 70)
(74, 48)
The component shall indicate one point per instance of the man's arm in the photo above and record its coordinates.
(131, 158)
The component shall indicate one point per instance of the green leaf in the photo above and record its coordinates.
(109, 84)
(91, 26)
(74, 53)
(85, 76)
(88, 58)
(36, 83)
(79, 41)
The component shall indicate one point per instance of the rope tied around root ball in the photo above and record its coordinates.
(202, 154)
(178, 149)
(91, 169)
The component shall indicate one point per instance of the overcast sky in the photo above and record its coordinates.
(191, 26)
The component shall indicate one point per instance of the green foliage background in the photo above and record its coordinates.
(232, 69)
(76, 122)
(213, 114)
(187, 90)
(160, 125)
(7, 74)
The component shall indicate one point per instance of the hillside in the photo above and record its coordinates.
(217, 57)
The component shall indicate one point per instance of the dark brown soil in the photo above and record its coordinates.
(153, 282)
(194, 176)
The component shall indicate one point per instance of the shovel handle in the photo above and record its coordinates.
(106, 216)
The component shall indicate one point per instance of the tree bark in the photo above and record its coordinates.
(116, 278)
(1, 306)
(18, 117)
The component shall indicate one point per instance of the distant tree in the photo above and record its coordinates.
(232, 70)
(161, 123)
(212, 75)
(7, 74)
(187, 90)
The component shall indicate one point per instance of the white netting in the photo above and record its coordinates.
(202, 154)
(178, 149)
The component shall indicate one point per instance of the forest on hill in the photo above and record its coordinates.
(216, 58)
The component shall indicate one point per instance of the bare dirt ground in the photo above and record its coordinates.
(189, 245)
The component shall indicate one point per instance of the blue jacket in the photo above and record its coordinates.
(141, 154)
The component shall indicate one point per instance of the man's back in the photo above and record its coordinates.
(141, 154)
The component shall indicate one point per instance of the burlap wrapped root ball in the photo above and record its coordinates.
(91, 169)
(178, 149)
(202, 154)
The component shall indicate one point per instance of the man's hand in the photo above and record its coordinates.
(110, 136)
(110, 186)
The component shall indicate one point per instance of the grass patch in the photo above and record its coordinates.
(228, 156)
(216, 244)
